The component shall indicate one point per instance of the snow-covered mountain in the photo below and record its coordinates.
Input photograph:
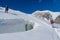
(46, 14)
(54, 14)
(13, 23)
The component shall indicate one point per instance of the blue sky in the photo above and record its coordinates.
(29, 6)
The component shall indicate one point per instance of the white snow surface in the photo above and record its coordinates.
(42, 30)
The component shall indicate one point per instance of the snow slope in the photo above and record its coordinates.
(40, 31)
(54, 15)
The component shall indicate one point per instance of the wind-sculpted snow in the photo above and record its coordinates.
(38, 33)
(12, 25)
(14, 21)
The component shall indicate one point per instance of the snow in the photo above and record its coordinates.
(12, 21)
(55, 14)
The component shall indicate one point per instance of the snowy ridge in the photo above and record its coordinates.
(40, 31)
(54, 14)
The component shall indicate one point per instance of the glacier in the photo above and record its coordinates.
(12, 27)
